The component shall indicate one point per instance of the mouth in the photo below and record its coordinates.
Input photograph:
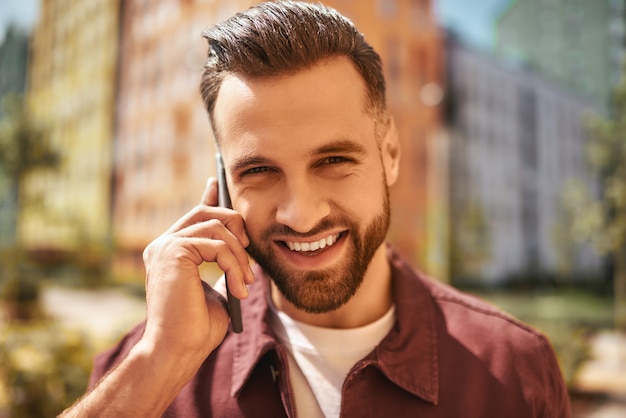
(311, 246)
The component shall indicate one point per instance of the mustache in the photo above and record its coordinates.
(286, 231)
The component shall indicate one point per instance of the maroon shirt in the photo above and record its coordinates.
(448, 355)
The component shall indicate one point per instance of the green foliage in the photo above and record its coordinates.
(19, 286)
(24, 147)
(571, 345)
(601, 219)
(23, 143)
(44, 368)
(471, 243)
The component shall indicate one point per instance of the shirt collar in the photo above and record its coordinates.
(407, 355)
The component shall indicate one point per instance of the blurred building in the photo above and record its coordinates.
(164, 147)
(516, 140)
(407, 36)
(72, 91)
(579, 44)
(13, 63)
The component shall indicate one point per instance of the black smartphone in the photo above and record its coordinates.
(234, 305)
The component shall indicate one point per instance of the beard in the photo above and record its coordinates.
(328, 289)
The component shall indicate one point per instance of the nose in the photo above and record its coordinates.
(303, 205)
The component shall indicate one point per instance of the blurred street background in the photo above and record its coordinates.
(512, 117)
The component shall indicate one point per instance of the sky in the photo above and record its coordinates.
(21, 12)
(472, 19)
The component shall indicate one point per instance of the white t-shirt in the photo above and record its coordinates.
(320, 359)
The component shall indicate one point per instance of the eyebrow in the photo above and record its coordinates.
(341, 146)
(247, 161)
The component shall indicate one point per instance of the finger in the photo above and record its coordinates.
(220, 253)
(230, 219)
(214, 230)
(209, 196)
(182, 254)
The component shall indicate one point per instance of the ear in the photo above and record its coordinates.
(390, 152)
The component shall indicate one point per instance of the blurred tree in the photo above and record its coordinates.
(601, 217)
(471, 244)
(24, 147)
(44, 367)
(24, 144)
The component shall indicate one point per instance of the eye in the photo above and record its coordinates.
(333, 160)
(255, 170)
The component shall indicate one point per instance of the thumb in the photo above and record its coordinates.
(209, 196)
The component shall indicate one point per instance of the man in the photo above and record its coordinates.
(335, 322)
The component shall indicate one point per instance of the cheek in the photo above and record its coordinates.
(370, 187)
(362, 201)
(256, 213)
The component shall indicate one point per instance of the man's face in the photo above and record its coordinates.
(306, 173)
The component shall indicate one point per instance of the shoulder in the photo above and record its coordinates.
(466, 324)
(477, 348)
(461, 307)
(497, 347)
(484, 329)
(460, 313)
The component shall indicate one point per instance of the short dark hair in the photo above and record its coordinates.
(282, 37)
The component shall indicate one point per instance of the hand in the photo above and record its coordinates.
(185, 317)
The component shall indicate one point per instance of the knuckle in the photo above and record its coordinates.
(221, 247)
(147, 252)
(214, 223)
(154, 248)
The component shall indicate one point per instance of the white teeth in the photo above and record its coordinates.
(312, 246)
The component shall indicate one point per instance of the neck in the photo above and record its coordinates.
(370, 302)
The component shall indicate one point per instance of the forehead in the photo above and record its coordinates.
(327, 100)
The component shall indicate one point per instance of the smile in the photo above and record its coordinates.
(313, 245)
